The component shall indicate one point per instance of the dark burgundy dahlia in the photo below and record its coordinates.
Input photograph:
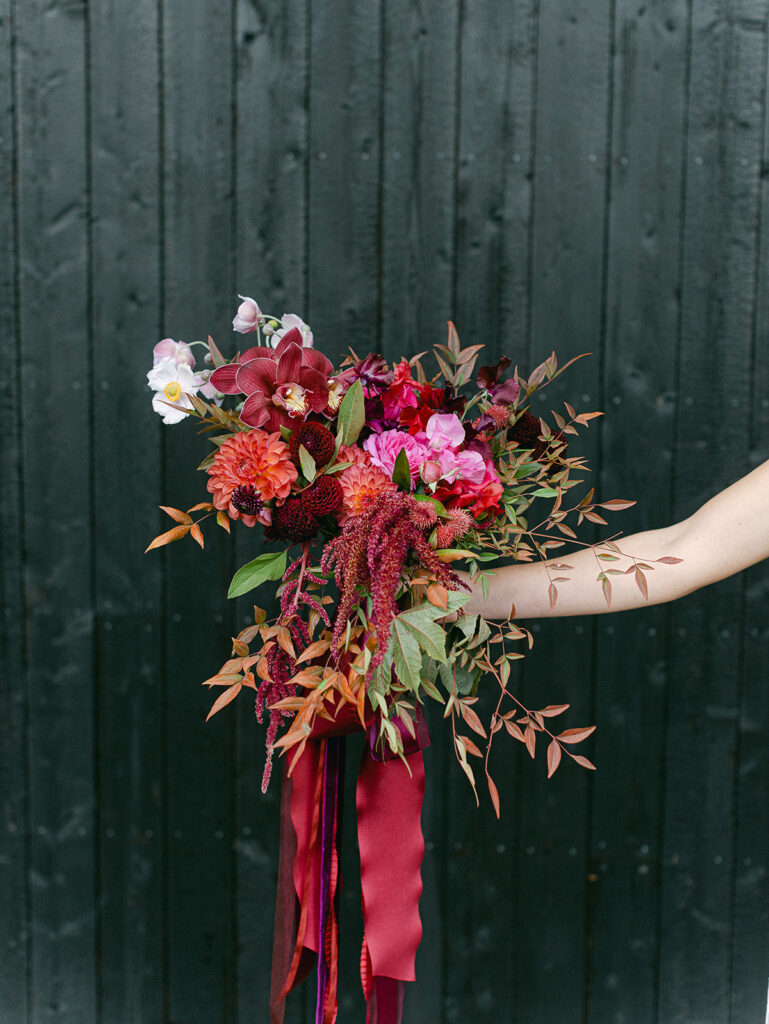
(317, 439)
(292, 521)
(325, 496)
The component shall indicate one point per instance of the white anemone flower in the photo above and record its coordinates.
(172, 383)
(289, 321)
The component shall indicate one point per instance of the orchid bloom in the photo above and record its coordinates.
(172, 383)
(286, 387)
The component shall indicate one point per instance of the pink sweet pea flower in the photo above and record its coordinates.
(384, 449)
(178, 351)
(248, 316)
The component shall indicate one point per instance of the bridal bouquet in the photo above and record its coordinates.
(370, 482)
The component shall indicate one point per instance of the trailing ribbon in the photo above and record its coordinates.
(389, 797)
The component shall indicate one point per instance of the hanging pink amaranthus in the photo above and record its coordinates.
(370, 553)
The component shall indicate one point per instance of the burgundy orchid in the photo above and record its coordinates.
(224, 377)
(285, 385)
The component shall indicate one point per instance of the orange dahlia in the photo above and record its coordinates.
(249, 469)
(361, 484)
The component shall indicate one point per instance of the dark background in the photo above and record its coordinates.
(585, 175)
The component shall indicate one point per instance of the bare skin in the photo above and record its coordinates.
(726, 535)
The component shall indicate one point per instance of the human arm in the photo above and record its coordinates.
(727, 534)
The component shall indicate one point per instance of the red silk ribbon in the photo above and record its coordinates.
(389, 797)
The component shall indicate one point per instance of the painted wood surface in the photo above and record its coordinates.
(585, 176)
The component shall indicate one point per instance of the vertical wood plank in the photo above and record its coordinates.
(55, 380)
(572, 168)
(13, 868)
(125, 205)
(272, 163)
(493, 210)
(198, 245)
(418, 174)
(749, 954)
(720, 250)
(649, 68)
(344, 153)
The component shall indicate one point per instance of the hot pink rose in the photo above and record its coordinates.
(384, 449)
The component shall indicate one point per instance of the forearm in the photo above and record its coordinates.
(526, 585)
(724, 536)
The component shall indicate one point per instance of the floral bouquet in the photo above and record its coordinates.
(371, 482)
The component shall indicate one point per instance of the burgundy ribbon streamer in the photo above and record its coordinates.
(389, 798)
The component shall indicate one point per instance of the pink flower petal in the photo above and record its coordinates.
(256, 375)
(316, 386)
(257, 352)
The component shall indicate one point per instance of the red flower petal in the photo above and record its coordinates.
(292, 337)
(257, 352)
(289, 365)
(257, 375)
(315, 359)
(223, 379)
(316, 386)
(256, 410)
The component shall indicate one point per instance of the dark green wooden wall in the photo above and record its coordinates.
(589, 175)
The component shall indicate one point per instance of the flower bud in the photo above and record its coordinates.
(248, 317)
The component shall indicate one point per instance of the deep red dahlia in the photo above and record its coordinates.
(292, 521)
(317, 439)
(325, 496)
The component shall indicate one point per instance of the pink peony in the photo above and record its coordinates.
(248, 316)
(384, 449)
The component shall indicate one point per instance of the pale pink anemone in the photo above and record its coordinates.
(281, 385)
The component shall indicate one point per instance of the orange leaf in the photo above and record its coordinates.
(515, 731)
(284, 639)
(313, 650)
(196, 534)
(575, 735)
(165, 538)
(554, 709)
(203, 505)
(438, 595)
(468, 744)
(530, 738)
(224, 699)
(493, 793)
(641, 581)
(362, 703)
(606, 587)
(472, 719)
(175, 513)
(616, 503)
(553, 757)
(552, 594)
(669, 560)
(584, 761)
(248, 680)
(223, 521)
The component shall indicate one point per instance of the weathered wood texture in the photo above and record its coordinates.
(589, 176)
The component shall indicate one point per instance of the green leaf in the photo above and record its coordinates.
(307, 463)
(285, 432)
(338, 467)
(422, 623)
(402, 471)
(352, 414)
(407, 658)
(544, 492)
(269, 566)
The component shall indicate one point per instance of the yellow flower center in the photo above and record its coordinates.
(173, 391)
(292, 398)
